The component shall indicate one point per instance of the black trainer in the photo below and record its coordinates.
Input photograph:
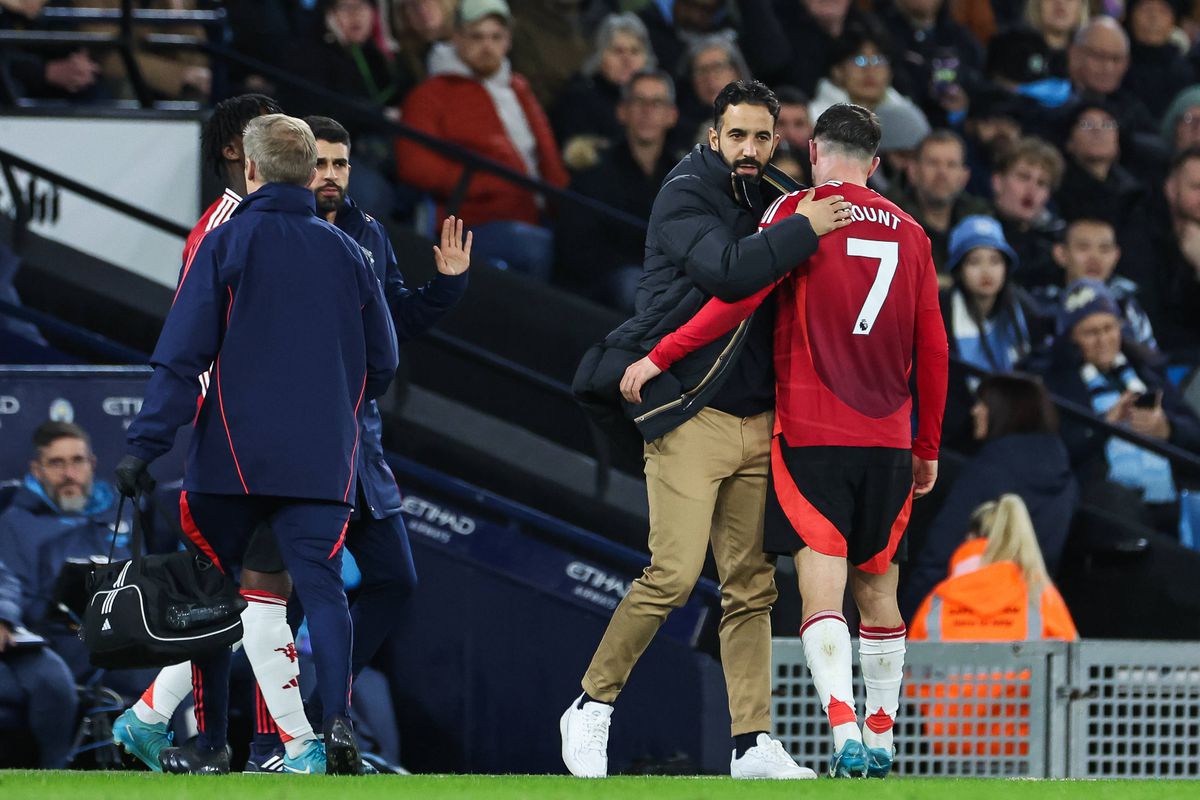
(192, 759)
(341, 748)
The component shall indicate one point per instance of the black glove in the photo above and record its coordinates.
(132, 477)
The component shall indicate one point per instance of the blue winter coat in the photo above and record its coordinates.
(413, 313)
(36, 539)
(288, 313)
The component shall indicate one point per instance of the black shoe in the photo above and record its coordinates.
(192, 759)
(341, 748)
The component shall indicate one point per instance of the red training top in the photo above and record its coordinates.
(848, 322)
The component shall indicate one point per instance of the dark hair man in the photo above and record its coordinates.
(254, 458)
(849, 324)
(706, 457)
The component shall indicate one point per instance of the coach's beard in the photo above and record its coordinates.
(746, 176)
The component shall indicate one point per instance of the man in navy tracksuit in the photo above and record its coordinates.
(377, 537)
(288, 313)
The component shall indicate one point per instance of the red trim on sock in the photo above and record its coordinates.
(148, 695)
(817, 617)
(840, 713)
(256, 596)
(880, 722)
(882, 633)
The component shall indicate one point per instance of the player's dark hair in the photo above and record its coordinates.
(1017, 403)
(51, 431)
(329, 130)
(853, 129)
(744, 93)
(1088, 219)
(228, 119)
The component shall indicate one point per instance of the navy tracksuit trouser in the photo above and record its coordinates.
(310, 534)
(380, 548)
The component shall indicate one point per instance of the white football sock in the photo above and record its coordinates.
(271, 650)
(162, 697)
(826, 641)
(881, 656)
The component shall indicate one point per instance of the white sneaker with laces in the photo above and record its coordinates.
(768, 759)
(584, 729)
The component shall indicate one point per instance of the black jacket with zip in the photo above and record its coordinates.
(701, 244)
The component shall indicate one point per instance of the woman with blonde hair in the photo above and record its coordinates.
(998, 588)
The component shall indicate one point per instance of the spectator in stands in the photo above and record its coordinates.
(627, 177)
(1089, 249)
(36, 687)
(61, 511)
(795, 128)
(67, 73)
(1169, 279)
(993, 577)
(419, 25)
(585, 117)
(992, 128)
(1095, 367)
(177, 74)
(674, 25)
(860, 72)
(905, 127)
(1097, 62)
(991, 322)
(938, 60)
(347, 60)
(1056, 21)
(1023, 181)
(474, 100)
(1094, 184)
(792, 41)
(935, 196)
(1158, 68)
(549, 45)
(712, 63)
(1181, 123)
(1021, 454)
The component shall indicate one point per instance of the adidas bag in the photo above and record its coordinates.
(152, 611)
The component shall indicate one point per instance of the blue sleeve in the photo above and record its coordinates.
(189, 342)
(10, 597)
(415, 312)
(383, 353)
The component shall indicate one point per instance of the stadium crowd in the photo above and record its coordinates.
(1049, 148)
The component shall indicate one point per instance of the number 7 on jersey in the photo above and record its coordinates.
(888, 254)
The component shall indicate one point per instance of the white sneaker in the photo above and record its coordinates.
(768, 759)
(585, 738)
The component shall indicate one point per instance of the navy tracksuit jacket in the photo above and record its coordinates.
(289, 314)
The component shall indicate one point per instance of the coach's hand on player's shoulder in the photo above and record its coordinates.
(924, 476)
(636, 375)
(825, 215)
(454, 256)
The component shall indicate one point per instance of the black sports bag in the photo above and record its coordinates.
(156, 610)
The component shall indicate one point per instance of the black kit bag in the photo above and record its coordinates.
(157, 610)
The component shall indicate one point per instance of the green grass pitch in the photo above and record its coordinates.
(19, 785)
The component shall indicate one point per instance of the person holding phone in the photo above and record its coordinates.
(1095, 366)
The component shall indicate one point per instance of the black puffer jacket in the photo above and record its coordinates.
(701, 243)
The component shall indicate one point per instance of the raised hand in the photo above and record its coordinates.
(454, 256)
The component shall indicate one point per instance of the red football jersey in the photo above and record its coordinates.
(848, 322)
(217, 213)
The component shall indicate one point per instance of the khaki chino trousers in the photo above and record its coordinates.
(706, 481)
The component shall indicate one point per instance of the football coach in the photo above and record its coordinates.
(288, 314)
